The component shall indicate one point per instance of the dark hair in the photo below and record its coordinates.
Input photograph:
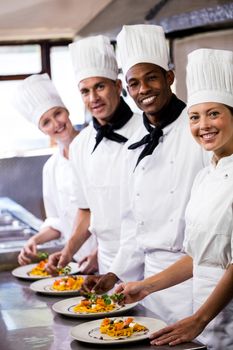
(230, 109)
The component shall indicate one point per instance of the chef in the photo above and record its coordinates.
(96, 155)
(159, 168)
(39, 102)
(209, 217)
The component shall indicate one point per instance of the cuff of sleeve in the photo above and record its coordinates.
(55, 223)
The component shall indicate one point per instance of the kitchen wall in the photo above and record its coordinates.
(21, 180)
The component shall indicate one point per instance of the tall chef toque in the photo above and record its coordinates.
(142, 43)
(35, 96)
(210, 77)
(93, 57)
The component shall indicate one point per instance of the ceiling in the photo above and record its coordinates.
(53, 19)
(42, 19)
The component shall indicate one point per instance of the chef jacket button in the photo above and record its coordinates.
(141, 223)
(171, 161)
(171, 220)
(225, 176)
(143, 168)
(172, 191)
(138, 194)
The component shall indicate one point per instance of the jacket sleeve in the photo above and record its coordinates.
(78, 196)
(49, 197)
(128, 264)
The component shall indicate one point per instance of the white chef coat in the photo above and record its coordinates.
(57, 191)
(209, 241)
(153, 201)
(97, 186)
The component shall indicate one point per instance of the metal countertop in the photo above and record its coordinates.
(27, 322)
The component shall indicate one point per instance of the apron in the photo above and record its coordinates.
(218, 335)
(107, 250)
(171, 304)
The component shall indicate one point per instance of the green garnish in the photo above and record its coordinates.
(64, 270)
(117, 297)
(42, 255)
(107, 298)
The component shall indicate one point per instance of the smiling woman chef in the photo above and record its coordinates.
(209, 215)
(38, 101)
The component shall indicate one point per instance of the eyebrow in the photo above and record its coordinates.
(148, 73)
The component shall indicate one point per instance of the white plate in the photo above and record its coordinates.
(65, 307)
(88, 332)
(22, 271)
(45, 286)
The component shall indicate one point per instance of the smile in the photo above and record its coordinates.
(60, 129)
(148, 100)
(97, 106)
(208, 136)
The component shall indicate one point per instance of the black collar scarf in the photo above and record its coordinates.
(169, 114)
(120, 117)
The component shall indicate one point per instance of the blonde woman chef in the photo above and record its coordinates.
(39, 102)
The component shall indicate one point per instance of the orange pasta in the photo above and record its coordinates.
(68, 283)
(120, 327)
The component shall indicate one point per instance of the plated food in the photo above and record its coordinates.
(112, 331)
(36, 271)
(94, 303)
(123, 327)
(58, 286)
(68, 283)
(84, 308)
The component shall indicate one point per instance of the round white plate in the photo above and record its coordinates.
(65, 307)
(23, 271)
(88, 332)
(45, 286)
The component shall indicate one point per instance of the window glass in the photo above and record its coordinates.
(20, 59)
(63, 77)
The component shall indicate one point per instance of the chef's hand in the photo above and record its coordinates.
(58, 260)
(28, 252)
(133, 291)
(89, 264)
(99, 284)
(180, 332)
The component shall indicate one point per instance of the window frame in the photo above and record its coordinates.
(45, 46)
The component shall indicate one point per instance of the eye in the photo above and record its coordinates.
(84, 92)
(58, 112)
(214, 114)
(100, 86)
(45, 123)
(193, 118)
(133, 84)
(152, 77)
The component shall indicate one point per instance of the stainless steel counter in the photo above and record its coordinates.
(27, 322)
(17, 225)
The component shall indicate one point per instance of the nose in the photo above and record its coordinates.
(55, 123)
(204, 122)
(144, 87)
(93, 96)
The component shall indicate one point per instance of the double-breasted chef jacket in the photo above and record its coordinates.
(97, 185)
(154, 196)
(209, 241)
(59, 208)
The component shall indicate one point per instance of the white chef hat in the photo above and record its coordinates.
(142, 43)
(93, 57)
(35, 96)
(210, 77)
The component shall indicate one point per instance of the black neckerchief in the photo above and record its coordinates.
(120, 117)
(169, 114)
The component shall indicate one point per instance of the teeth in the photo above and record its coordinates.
(149, 100)
(61, 129)
(208, 136)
